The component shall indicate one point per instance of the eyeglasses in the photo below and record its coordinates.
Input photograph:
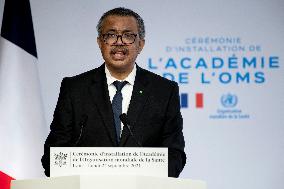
(126, 38)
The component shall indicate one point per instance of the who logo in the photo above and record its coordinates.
(229, 100)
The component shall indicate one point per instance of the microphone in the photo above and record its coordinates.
(125, 121)
(82, 124)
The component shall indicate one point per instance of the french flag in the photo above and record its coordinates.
(22, 124)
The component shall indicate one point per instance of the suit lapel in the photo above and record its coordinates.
(100, 96)
(139, 97)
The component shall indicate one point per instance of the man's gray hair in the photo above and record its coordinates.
(121, 11)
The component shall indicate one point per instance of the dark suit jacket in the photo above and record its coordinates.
(84, 108)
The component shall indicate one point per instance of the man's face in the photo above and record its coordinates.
(120, 57)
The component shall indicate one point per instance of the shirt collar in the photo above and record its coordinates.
(130, 78)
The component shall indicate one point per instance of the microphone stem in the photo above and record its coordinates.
(131, 133)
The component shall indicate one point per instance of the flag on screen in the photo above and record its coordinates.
(21, 114)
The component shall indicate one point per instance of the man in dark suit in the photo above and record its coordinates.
(89, 104)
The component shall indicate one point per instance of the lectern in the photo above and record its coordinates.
(108, 168)
(108, 182)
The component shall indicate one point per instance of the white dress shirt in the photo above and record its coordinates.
(126, 90)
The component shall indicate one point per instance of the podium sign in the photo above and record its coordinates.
(66, 161)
